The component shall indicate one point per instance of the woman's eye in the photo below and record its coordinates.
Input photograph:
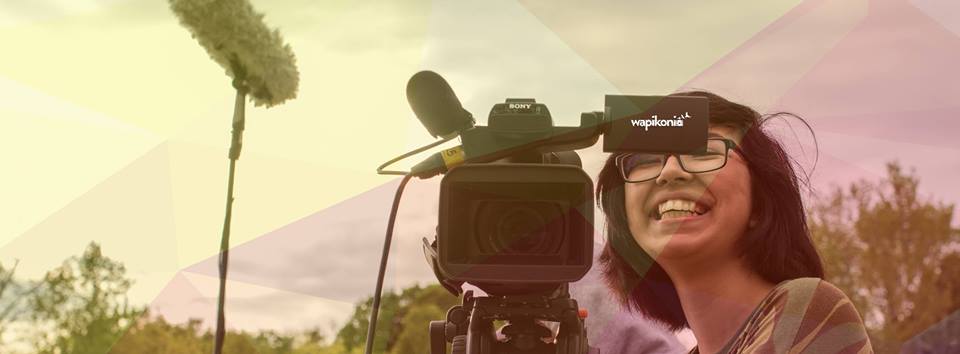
(707, 156)
(643, 161)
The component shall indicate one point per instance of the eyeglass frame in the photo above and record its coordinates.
(728, 145)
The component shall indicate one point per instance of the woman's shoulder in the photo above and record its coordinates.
(814, 297)
(807, 314)
(811, 284)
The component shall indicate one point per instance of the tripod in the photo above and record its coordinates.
(470, 326)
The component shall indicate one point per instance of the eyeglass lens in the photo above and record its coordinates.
(641, 166)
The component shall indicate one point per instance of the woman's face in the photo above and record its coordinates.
(722, 196)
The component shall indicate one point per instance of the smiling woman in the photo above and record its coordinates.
(718, 243)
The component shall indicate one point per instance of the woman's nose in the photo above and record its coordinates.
(672, 171)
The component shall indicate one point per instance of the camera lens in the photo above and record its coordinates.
(515, 224)
(516, 228)
(520, 231)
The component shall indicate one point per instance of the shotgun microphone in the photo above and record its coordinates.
(436, 106)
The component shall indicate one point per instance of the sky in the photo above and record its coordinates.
(114, 123)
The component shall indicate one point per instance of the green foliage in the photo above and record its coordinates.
(158, 337)
(354, 333)
(894, 253)
(403, 320)
(80, 307)
(154, 335)
(403, 328)
(425, 304)
(12, 294)
(415, 338)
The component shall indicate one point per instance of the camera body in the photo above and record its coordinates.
(523, 223)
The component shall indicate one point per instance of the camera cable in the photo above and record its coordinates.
(381, 171)
(375, 307)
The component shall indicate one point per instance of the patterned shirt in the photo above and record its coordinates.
(806, 315)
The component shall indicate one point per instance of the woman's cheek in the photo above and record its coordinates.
(636, 218)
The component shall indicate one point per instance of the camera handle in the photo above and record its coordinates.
(469, 327)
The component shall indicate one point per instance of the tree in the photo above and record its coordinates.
(12, 293)
(427, 304)
(402, 323)
(153, 335)
(352, 336)
(81, 306)
(893, 253)
(156, 336)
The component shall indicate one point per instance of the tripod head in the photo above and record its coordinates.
(470, 326)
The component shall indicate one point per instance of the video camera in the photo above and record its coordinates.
(516, 209)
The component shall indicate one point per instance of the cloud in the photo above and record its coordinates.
(249, 307)
(14, 13)
(334, 253)
(499, 51)
(350, 27)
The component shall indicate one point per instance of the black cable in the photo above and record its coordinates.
(381, 171)
(375, 309)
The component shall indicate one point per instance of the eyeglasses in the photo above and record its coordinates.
(642, 167)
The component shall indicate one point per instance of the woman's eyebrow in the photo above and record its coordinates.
(715, 135)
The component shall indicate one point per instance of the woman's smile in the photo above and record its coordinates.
(675, 210)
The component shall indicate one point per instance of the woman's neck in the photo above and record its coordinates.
(717, 299)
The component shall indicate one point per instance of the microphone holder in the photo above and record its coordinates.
(236, 143)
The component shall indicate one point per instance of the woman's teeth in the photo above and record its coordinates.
(677, 208)
(677, 214)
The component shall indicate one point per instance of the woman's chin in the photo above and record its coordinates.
(680, 236)
(673, 246)
(683, 247)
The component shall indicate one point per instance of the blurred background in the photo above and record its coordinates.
(114, 129)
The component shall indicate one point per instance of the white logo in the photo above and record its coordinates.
(654, 121)
(520, 105)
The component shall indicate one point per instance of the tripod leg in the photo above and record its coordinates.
(480, 336)
(459, 345)
(571, 343)
(572, 337)
(438, 340)
(563, 343)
